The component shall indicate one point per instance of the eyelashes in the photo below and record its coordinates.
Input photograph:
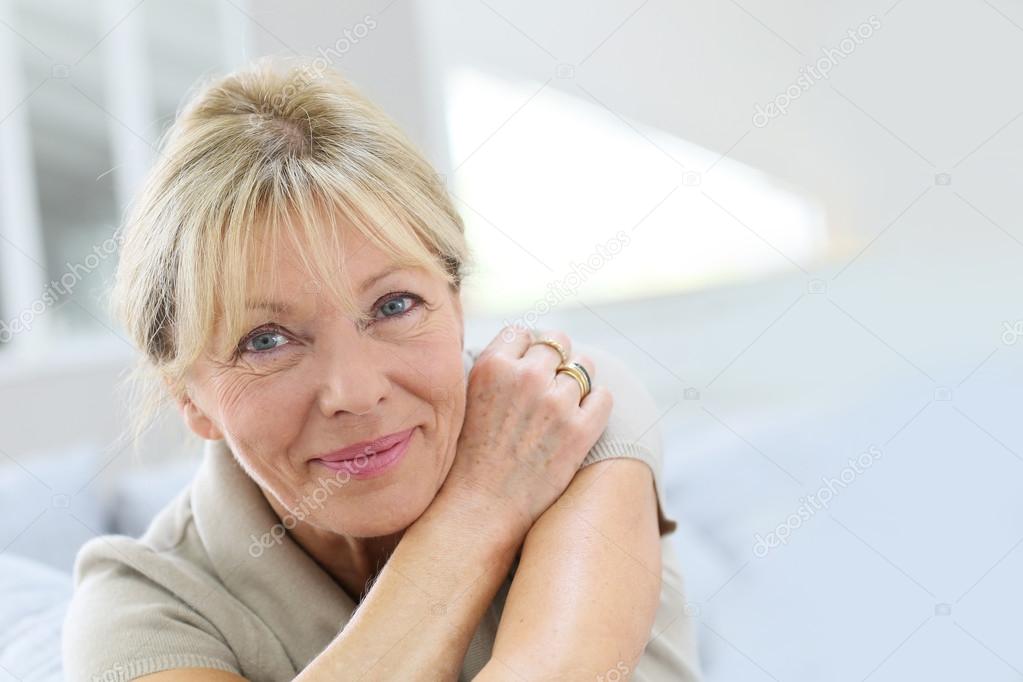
(262, 331)
(390, 298)
(273, 328)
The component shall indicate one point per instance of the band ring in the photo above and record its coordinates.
(581, 368)
(579, 373)
(556, 346)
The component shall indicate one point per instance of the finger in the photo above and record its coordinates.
(545, 356)
(512, 340)
(568, 385)
(595, 411)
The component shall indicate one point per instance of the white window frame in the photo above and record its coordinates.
(130, 103)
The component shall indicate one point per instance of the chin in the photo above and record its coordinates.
(364, 523)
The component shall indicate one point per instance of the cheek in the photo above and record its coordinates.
(261, 413)
(444, 388)
(441, 381)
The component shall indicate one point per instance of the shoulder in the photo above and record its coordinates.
(611, 371)
(134, 608)
(634, 414)
(633, 427)
(615, 373)
(168, 548)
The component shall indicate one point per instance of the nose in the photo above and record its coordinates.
(353, 370)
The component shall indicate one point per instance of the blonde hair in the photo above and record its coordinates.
(275, 150)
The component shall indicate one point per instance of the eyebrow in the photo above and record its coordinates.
(280, 307)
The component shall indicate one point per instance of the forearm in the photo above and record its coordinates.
(421, 612)
(587, 589)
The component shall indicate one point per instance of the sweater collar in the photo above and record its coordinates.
(260, 564)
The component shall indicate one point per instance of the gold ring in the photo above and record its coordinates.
(556, 346)
(579, 373)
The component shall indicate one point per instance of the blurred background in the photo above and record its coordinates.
(798, 222)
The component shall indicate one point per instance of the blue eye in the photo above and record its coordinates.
(398, 305)
(268, 339)
(262, 341)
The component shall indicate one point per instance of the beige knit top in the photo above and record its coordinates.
(189, 592)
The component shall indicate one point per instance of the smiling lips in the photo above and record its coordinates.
(366, 447)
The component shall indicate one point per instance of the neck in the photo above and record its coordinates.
(352, 562)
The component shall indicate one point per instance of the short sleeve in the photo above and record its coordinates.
(632, 429)
(121, 625)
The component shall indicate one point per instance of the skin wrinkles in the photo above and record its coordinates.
(324, 383)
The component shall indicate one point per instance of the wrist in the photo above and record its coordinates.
(481, 515)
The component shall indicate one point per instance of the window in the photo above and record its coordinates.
(90, 89)
(563, 196)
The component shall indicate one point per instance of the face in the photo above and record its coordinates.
(308, 381)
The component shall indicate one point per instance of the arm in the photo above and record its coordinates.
(586, 592)
(582, 602)
(421, 612)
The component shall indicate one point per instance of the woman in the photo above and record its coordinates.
(376, 501)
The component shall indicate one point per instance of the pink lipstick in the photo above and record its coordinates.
(369, 459)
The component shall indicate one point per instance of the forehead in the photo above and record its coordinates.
(357, 258)
(265, 300)
(286, 287)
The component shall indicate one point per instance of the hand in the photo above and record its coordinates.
(525, 431)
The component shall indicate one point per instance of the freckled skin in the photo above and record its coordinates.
(319, 383)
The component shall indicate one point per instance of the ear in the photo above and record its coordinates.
(200, 424)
